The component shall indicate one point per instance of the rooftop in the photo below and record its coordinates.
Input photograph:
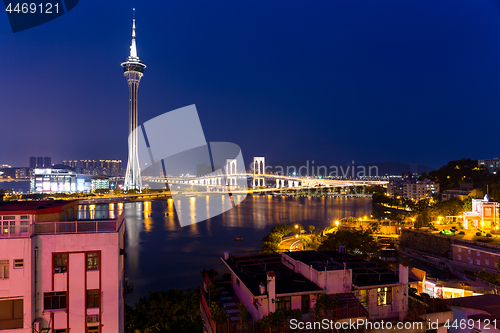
(489, 303)
(35, 207)
(365, 273)
(252, 271)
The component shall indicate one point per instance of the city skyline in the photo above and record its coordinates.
(356, 83)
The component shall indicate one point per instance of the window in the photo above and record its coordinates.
(5, 227)
(24, 226)
(11, 314)
(470, 261)
(60, 330)
(486, 262)
(364, 298)
(478, 253)
(18, 263)
(384, 296)
(478, 262)
(306, 303)
(4, 269)
(92, 329)
(12, 227)
(468, 251)
(92, 261)
(54, 300)
(60, 262)
(283, 303)
(93, 298)
(459, 257)
(459, 249)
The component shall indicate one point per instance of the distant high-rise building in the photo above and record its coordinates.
(109, 168)
(40, 162)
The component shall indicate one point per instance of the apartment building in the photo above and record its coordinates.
(59, 274)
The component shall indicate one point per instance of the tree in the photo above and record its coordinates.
(311, 228)
(467, 206)
(219, 314)
(170, 311)
(282, 230)
(243, 312)
(357, 242)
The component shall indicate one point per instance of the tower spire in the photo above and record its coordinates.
(133, 47)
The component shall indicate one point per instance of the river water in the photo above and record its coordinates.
(161, 254)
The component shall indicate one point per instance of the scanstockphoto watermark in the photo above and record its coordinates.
(310, 169)
(360, 324)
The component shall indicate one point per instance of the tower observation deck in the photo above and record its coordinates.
(133, 69)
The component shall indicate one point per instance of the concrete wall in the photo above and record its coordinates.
(77, 279)
(19, 285)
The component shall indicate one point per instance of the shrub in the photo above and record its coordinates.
(461, 232)
(478, 233)
(489, 235)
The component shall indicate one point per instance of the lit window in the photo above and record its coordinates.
(384, 296)
(364, 297)
(4, 269)
(54, 300)
(92, 261)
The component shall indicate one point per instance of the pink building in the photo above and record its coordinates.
(59, 273)
(476, 257)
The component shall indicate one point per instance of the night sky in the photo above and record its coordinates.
(414, 81)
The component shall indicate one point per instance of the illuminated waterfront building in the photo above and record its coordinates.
(65, 181)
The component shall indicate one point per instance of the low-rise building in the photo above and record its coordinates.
(475, 257)
(265, 283)
(492, 164)
(65, 181)
(475, 314)
(484, 214)
(58, 273)
(413, 189)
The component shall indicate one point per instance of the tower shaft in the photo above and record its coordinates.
(134, 69)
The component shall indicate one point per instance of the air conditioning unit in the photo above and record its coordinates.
(57, 270)
(92, 319)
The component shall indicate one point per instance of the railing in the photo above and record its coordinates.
(207, 311)
(74, 227)
(65, 227)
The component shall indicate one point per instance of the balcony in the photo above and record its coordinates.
(63, 227)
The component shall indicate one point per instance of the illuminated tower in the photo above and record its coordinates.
(134, 69)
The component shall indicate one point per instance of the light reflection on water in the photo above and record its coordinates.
(161, 254)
